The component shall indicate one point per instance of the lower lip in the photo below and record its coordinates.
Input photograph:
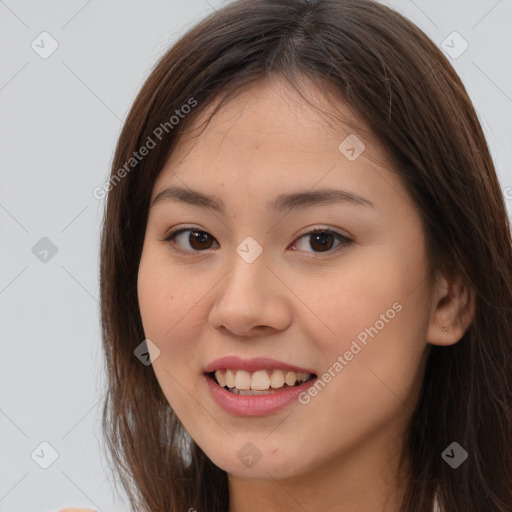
(257, 405)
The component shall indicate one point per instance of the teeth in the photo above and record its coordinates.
(250, 392)
(303, 377)
(290, 378)
(243, 382)
(230, 378)
(277, 379)
(221, 378)
(259, 380)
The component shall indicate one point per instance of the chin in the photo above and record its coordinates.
(262, 463)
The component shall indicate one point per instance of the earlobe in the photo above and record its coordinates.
(452, 313)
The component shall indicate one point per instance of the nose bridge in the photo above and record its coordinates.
(249, 266)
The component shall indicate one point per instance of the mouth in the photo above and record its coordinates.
(257, 386)
(259, 382)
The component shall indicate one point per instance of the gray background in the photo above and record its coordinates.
(59, 120)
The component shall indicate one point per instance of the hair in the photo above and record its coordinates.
(402, 86)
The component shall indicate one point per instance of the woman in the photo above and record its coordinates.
(305, 236)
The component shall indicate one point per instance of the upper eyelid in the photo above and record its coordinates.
(341, 237)
(179, 230)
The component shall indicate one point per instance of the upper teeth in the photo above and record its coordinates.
(260, 379)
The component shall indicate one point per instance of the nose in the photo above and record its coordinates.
(251, 300)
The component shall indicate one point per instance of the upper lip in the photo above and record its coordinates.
(252, 365)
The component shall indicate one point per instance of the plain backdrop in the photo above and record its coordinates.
(60, 116)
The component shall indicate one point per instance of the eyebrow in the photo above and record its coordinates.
(281, 203)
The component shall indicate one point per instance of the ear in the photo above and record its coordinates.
(453, 309)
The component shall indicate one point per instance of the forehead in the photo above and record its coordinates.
(272, 112)
(269, 132)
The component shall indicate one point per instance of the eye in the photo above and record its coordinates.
(197, 239)
(321, 240)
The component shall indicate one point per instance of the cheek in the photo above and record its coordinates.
(167, 310)
(169, 319)
(372, 312)
(166, 296)
(350, 298)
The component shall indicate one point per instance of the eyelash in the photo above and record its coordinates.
(170, 239)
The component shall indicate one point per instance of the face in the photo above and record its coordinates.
(332, 285)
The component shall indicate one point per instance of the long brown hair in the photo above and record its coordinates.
(398, 82)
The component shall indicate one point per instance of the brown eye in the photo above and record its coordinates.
(322, 240)
(197, 240)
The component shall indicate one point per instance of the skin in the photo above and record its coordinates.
(295, 302)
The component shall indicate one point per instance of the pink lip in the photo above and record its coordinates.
(252, 365)
(258, 405)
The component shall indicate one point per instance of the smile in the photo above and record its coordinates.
(259, 382)
(255, 387)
